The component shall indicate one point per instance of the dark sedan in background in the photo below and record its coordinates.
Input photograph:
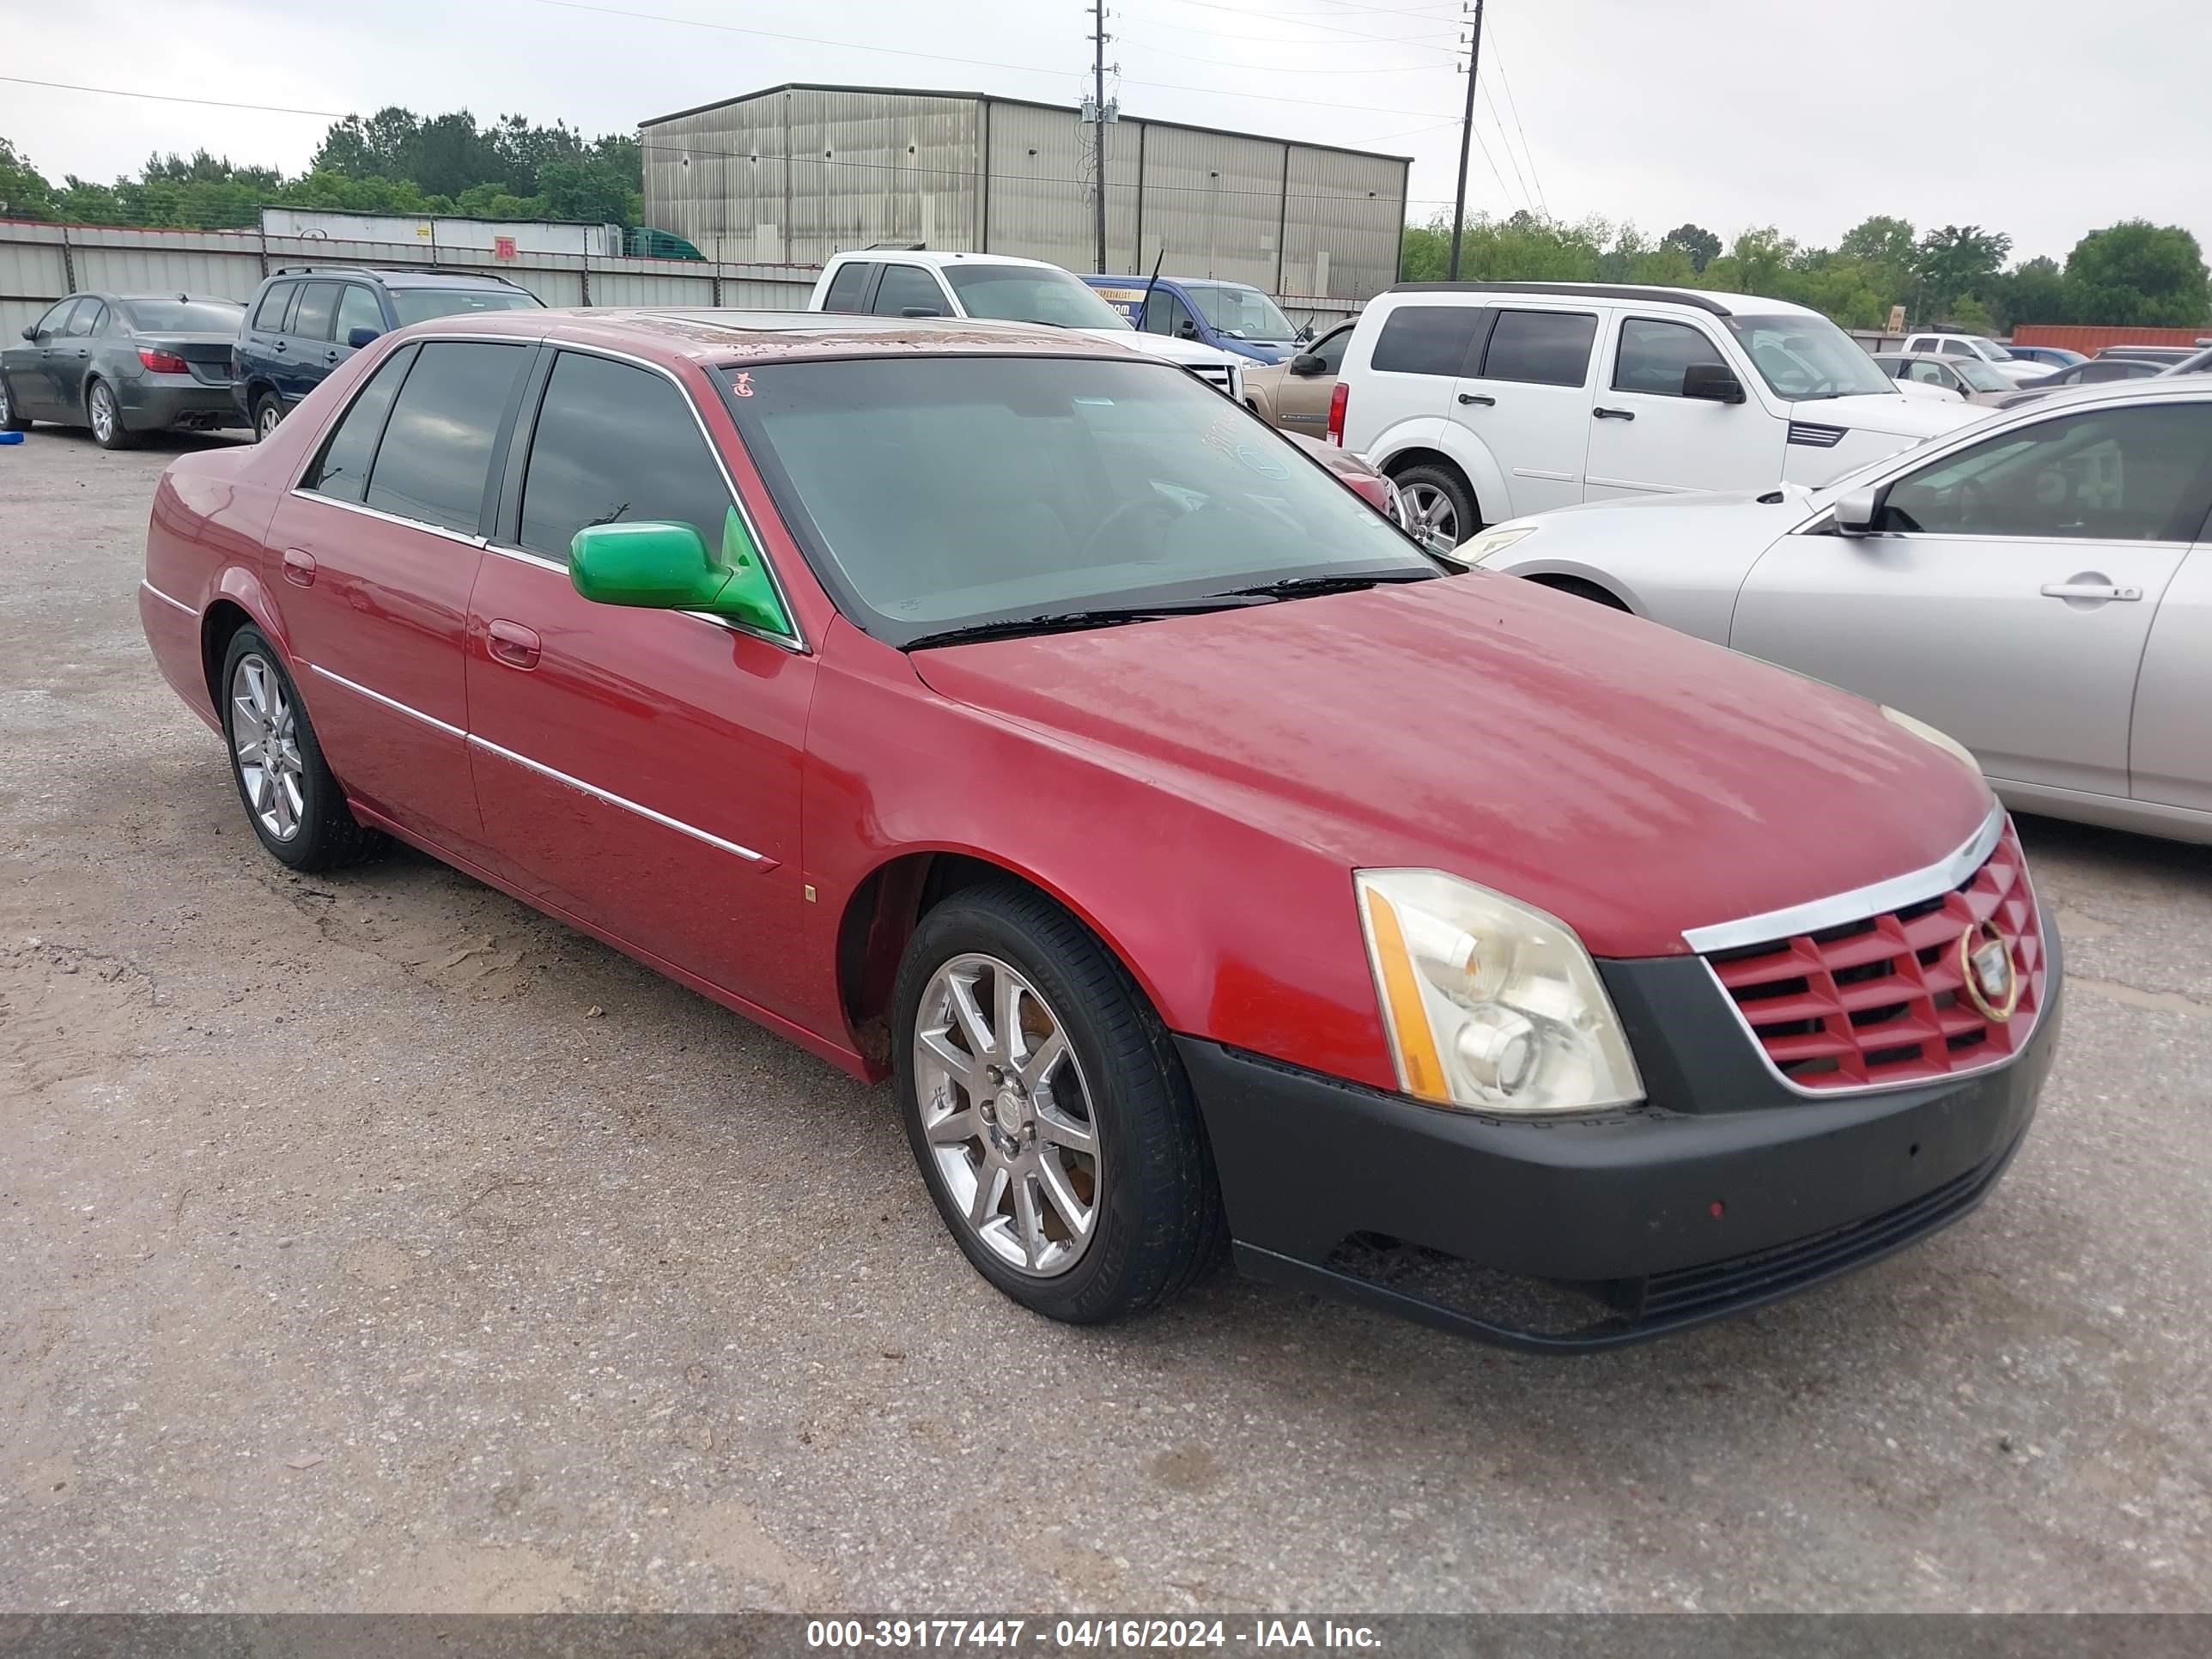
(124, 365)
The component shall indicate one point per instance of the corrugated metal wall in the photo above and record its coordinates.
(40, 264)
(2089, 338)
(970, 173)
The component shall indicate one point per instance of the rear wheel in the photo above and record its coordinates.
(106, 416)
(294, 803)
(268, 416)
(12, 419)
(1439, 503)
(1044, 1102)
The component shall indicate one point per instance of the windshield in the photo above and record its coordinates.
(1231, 308)
(1808, 356)
(1978, 374)
(185, 316)
(416, 305)
(1013, 487)
(1989, 349)
(1031, 294)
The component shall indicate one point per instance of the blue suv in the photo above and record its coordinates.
(1231, 316)
(307, 319)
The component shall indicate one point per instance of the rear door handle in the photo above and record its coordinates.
(298, 568)
(1478, 397)
(1604, 414)
(279, 346)
(2092, 585)
(513, 644)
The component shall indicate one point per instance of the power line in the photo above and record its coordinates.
(1339, 69)
(1506, 144)
(1212, 32)
(1330, 28)
(169, 97)
(1498, 60)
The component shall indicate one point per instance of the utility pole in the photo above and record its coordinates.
(1465, 132)
(1098, 38)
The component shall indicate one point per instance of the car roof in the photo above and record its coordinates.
(2146, 389)
(398, 276)
(922, 256)
(1720, 305)
(739, 337)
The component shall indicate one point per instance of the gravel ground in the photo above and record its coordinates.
(372, 1243)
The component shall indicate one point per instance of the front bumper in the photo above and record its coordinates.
(1723, 1192)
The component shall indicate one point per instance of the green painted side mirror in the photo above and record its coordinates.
(666, 567)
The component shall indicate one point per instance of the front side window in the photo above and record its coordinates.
(616, 444)
(1031, 294)
(318, 305)
(907, 288)
(1956, 349)
(1547, 348)
(1243, 313)
(416, 305)
(357, 308)
(341, 471)
(57, 320)
(1166, 314)
(1330, 349)
(1979, 376)
(1429, 339)
(436, 452)
(2112, 475)
(269, 313)
(1007, 488)
(1801, 355)
(849, 288)
(1655, 356)
(1927, 372)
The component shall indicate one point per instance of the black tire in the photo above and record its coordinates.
(1160, 1220)
(10, 419)
(111, 435)
(1446, 482)
(327, 836)
(268, 416)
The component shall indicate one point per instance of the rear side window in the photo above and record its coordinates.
(318, 304)
(1547, 348)
(269, 313)
(85, 319)
(909, 288)
(342, 470)
(849, 287)
(436, 452)
(616, 444)
(1654, 356)
(1429, 339)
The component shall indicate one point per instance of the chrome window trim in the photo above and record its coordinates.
(165, 599)
(627, 804)
(354, 397)
(796, 640)
(1856, 905)
(477, 541)
(408, 710)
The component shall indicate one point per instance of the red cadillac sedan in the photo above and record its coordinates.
(988, 707)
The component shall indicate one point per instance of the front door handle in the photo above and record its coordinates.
(513, 644)
(2093, 586)
(279, 346)
(1478, 397)
(1604, 414)
(298, 568)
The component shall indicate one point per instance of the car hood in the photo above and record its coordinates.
(1160, 345)
(1890, 412)
(1629, 779)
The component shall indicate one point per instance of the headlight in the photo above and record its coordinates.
(1491, 1007)
(1942, 740)
(1478, 549)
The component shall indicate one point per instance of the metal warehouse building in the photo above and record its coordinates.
(794, 173)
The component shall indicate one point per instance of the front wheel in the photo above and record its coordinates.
(295, 806)
(106, 416)
(1044, 1102)
(11, 419)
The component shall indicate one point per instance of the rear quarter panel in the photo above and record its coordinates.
(205, 543)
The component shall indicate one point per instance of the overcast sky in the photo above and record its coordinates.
(2038, 119)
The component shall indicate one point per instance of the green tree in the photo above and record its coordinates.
(1755, 263)
(1700, 245)
(24, 191)
(1879, 241)
(2033, 291)
(1956, 260)
(2139, 273)
(1969, 316)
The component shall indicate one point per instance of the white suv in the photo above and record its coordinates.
(2016, 370)
(913, 283)
(1489, 400)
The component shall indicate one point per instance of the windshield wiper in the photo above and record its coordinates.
(1299, 587)
(1067, 621)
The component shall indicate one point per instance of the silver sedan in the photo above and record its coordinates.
(2039, 585)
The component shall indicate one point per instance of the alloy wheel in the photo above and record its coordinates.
(265, 737)
(103, 413)
(266, 422)
(7, 410)
(1432, 511)
(1007, 1114)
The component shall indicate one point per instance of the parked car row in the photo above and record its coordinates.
(988, 707)
(126, 365)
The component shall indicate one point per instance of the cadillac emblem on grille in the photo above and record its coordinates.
(1985, 966)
